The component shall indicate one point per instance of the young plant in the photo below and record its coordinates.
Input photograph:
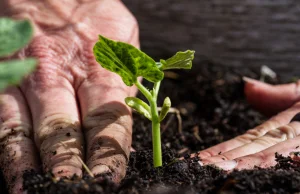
(131, 63)
(14, 35)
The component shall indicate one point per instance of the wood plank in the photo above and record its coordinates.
(232, 32)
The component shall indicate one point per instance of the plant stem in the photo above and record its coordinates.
(143, 90)
(156, 139)
(156, 144)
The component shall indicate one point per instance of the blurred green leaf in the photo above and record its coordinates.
(181, 60)
(14, 35)
(12, 72)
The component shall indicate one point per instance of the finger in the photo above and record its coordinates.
(263, 159)
(279, 120)
(106, 120)
(270, 99)
(52, 102)
(271, 138)
(17, 150)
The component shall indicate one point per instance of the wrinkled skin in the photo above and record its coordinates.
(70, 101)
(69, 107)
(257, 147)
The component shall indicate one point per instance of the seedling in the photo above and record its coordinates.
(131, 63)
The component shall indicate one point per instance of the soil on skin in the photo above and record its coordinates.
(213, 109)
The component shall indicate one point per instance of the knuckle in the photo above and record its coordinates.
(60, 142)
(277, 134)
(251, 135)
(282, 133)
(254, 133)
(118, 114)
(109, 133)
(259, 131)
(205, 154)
(56, 127)
(245, 138)
(13, 131)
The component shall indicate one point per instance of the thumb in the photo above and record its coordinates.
(271, 99)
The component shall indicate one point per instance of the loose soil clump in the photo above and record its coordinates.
(213, 109)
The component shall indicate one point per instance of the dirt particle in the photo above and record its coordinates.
(186, 156)
(68, 134)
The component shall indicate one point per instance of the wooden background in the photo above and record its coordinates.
(231, 32)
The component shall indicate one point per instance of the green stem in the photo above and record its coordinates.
(143, 90)
(156, 144)
(156, 89)
(156, 139)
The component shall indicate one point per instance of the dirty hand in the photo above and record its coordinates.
(70, 107)
(257, 147)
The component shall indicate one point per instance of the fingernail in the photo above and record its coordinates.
(100, 169)
(226, 165)
(250, 80)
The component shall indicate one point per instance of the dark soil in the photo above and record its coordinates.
(213, 109)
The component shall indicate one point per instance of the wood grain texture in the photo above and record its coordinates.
(231, 32)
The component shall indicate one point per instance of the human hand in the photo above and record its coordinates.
(257, 147)
(69, 101)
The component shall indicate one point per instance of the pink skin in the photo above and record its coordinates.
(69, 101)
(257, 146)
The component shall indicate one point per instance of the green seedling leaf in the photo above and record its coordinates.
(11, 72)
(165, 109)
(14, 35)
(181, 60)
(126, 60)
(139, 106)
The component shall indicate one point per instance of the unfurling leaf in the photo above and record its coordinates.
(139, 106)
(165, 109)
(126, 60)
(181, 60)
(14, 35)
(11, 72)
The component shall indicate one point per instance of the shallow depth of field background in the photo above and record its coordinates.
(231, 32)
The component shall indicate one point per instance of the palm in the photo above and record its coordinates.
(69, 101)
